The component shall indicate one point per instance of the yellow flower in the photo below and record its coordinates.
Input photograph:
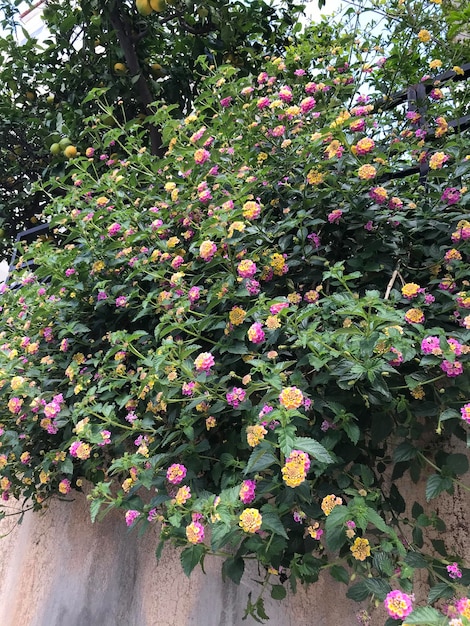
(315, 177)
(458, 70)
(16, 382)
(435, 64)
(273, 322)
(293, 473)
(250, 520)
(410, 290)
(255, 434)
(366, 172)
(418, 393)
(329, 503)
(360, 549)
(424, 35)
(291, 398)
(237, 316)
(278, 263)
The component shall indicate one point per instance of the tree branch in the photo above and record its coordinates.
(122, 27)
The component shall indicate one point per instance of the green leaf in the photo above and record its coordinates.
(436, 484)
(358, 592)
(221, 534)
(233, 568)
(272, 522)
(383, 563)
(416, 559)
(404, 452)
(278, 592)
(334, 527)
(286, 438)
(339, 573)
(191, 556)
(457, 463)
(378, 586)
(440, 590)
(314, 449)
(95, 509)
(374, 518)
(426, 616)
(260, 459)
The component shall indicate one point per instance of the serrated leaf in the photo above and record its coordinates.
(377, 586)
(334, 527)
(383, 564)
(436, 484)
(314, 449)
(357, 592)
(339, 573)
(221, 535)
(440, 590)
(191, 556)
(415, 559)
(404, 452)
(426, 616)
(272, 522)
(95, 509)
(286, 438)
(374, 518)
(260, 459)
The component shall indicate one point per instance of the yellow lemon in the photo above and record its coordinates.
(143, 7)
(70, 152)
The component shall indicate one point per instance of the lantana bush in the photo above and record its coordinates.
(248, 342)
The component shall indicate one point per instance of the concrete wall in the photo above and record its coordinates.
(57, 569)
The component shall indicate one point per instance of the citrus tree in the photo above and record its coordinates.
(248, 341)
(137, 52)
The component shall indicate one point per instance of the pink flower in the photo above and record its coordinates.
(398, 359)
(465, 412)
(52, 409)
(454, 571)
(253, 287)
(176, 473)
(285, 93)
(70, 271)
(451, 196)
(398, 604)
(121, 301)
(65, 487)
(201, 156)
(431, 345)
(236, 396)
(263, 102)
(275, 308)
(226, 102)
(335, 216)
(131, 516)
(114, 229)
(204, 362)
(247, 491)
(246, 268)
(256, 333)
(307, 104)
(188, 388)
(194, 294)
(452, 369)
